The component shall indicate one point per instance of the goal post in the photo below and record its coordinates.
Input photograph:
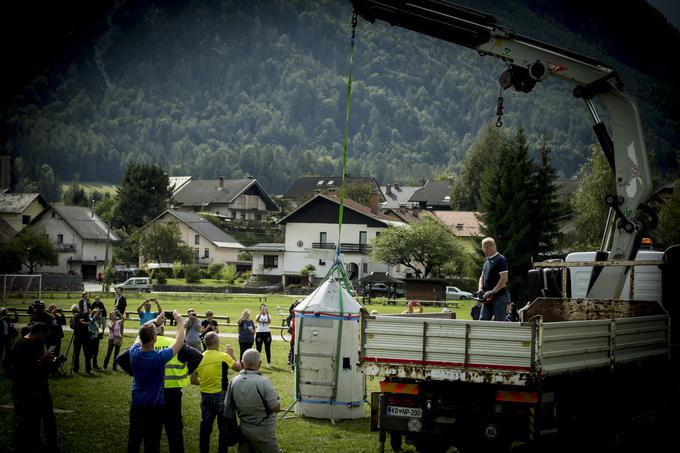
(24, 286)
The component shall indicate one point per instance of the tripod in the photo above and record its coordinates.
(63, 358)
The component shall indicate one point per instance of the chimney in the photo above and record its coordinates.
(374, 201)
(388, 189)
(221, 183)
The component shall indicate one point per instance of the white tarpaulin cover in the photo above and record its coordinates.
(328, 381)
(326, 299)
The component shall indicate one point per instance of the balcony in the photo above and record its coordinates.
(323, 245)
(348, 247)
(65, 248)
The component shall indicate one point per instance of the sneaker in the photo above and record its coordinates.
(268, 365)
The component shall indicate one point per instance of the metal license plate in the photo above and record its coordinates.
(398, 411)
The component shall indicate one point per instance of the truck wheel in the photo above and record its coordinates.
(395, 441)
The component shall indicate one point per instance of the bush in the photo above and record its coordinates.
(177, 270)
(229, 273)
(192, 273)
(142, 273)
(160, 277)
(215, 271)
(204, 273)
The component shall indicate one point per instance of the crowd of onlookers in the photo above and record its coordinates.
(160, 366)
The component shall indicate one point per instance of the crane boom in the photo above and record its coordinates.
(530, 61)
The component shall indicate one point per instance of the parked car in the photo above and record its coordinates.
(136, 284)
(453, 292)
(123, 274)
(382, 290)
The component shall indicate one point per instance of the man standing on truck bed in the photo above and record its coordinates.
(492, 283)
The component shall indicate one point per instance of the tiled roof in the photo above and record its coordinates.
(87, 225)
(16, 203)
(461, 223)
(205, 192)
(434, 193)
(205, 228)
(310, 184)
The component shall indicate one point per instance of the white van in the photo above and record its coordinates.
(647, 278)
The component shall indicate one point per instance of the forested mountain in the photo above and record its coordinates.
(234, 88)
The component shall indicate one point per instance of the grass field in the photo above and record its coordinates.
(89, 187)
(92, 410)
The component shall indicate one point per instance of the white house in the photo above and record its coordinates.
(210, 243)
(312, 238)
(235, 199)
(82, 240)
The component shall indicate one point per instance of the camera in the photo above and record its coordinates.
(36, 307)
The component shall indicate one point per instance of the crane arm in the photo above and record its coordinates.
(530, 61)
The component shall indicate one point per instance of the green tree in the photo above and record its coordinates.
(75, 195)
(192, 273)
(162, 243)
(228, 273)
(33, 249)
(588, 206)
(669, 215)
(506, 209)
(548, 210)
(143, 195)
(426, 247)
(48, 184)
(466, 190)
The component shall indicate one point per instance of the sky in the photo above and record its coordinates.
(670, 9)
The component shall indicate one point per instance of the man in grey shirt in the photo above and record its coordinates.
(253, 398)
(192, 326)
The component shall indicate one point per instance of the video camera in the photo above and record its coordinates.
(36, 307)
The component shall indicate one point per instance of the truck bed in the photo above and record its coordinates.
(506, 352)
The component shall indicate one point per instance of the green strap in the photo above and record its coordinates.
(346, 139)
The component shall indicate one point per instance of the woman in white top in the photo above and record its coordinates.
(263, 334)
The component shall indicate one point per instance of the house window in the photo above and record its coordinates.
(377, 233)
(233, 215)
(364, 268)
(330, 183)
(25, 219)
(459, 226)
(270, 261)
(60, 239)
(258, 217)
(197, 239)
(323, 237)
(197, 253)
(320, 183)
(206, 253)
(362, 237)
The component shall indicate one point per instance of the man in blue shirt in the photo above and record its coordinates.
(147, 315)
(492, 283)
(148, 368)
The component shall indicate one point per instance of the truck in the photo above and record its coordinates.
(575, 372)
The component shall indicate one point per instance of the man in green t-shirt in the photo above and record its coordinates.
(211, 377)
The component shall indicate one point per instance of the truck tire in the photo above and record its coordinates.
(395, 441)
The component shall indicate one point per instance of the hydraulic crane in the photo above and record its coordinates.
(528, 62)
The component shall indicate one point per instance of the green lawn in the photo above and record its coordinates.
(92, 411)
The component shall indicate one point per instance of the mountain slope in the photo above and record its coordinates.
(258, 88)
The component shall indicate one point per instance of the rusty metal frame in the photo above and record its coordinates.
(625, 263)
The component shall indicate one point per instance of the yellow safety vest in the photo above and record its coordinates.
(176, 372)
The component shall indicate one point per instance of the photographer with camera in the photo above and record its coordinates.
(193, 330)
(56, 333)
(7, 330)
(148, 315)
(116, 329)
(95, 336)
(28, 365)
(80, 323)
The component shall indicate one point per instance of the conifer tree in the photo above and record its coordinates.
(143, 195)
(548, 209)
(506, 209)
